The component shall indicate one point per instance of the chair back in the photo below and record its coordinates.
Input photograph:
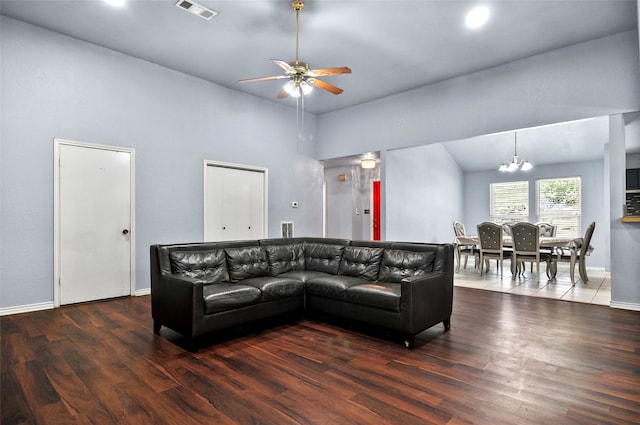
(586, 241)
(458, 229)
(490, 236)
(525, 238)
(547, 229)
(506, 228)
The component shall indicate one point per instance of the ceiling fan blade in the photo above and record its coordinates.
(282, 94)
(284, 65)
(274, 77)
(329, 71)
(325, 86)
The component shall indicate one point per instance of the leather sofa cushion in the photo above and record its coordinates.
(385, 295)
(276, 287)
(285, 258)
(362, 262)
(303, 275)
(322, 257)
(247, 262)
(398, 264)
(208, 266)
(331, 286)
(229, 296)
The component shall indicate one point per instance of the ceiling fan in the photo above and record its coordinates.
(302, 79)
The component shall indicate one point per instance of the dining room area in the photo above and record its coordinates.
(529, 259)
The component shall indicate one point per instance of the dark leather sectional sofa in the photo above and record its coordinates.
(199, 288)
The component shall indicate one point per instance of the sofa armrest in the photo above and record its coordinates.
(426, 300)
(178, 301)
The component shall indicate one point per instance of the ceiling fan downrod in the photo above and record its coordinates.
(297, 6)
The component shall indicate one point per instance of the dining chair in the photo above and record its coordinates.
(547, 229)
(463, 249)
(525, 239)
(574, 253)
(506, 227)
(491, 240)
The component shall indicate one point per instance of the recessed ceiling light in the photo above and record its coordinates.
(116, 3)
(477, 17)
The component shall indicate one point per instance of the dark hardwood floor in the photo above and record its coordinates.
(507, 359)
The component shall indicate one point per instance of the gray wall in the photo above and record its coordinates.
(424, 194)
(625, 237)
(477, 202)
(57, 86)
(591, 79)
(339, 198)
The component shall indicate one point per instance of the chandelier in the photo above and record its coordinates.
(514, 165)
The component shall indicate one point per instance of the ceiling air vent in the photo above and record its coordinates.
(196, 9)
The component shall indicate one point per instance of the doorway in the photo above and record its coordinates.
(94, 222)
(375, 207)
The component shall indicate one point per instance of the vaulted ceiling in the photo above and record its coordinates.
(390, 45)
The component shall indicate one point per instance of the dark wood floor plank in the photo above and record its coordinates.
(506, 360)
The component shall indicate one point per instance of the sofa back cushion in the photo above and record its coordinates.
(208, 266)
(362, 262)
(285, 258)
(398, 264)
(247, 262)
(322, 257)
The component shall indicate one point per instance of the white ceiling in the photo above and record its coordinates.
(391, 46)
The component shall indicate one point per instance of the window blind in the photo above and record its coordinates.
(558, 201)
(509, 201)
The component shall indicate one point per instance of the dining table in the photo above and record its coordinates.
(556, 244)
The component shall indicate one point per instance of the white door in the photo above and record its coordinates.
(234, 202)
(94, 189)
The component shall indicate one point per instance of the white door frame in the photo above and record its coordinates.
(205, 190)
(57, 143)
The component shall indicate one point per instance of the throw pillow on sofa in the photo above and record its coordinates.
(398, 264)
(362, 262)
(208, 266)
(285, 258)
(246, 262)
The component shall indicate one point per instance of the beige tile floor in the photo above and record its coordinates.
(596, 291)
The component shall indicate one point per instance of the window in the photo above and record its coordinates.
(509, 201)
(558, 202)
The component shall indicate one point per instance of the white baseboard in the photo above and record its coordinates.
(624, 306)
(5, 311)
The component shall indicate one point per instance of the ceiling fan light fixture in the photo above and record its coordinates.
(306, 88)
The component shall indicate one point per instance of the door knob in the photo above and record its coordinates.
(125, 232)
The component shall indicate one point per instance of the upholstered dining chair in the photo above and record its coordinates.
(547, 229)
(575, 253)
(491, 244)
(463, 249)
(525, 239)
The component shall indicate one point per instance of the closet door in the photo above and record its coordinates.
(234, 202)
